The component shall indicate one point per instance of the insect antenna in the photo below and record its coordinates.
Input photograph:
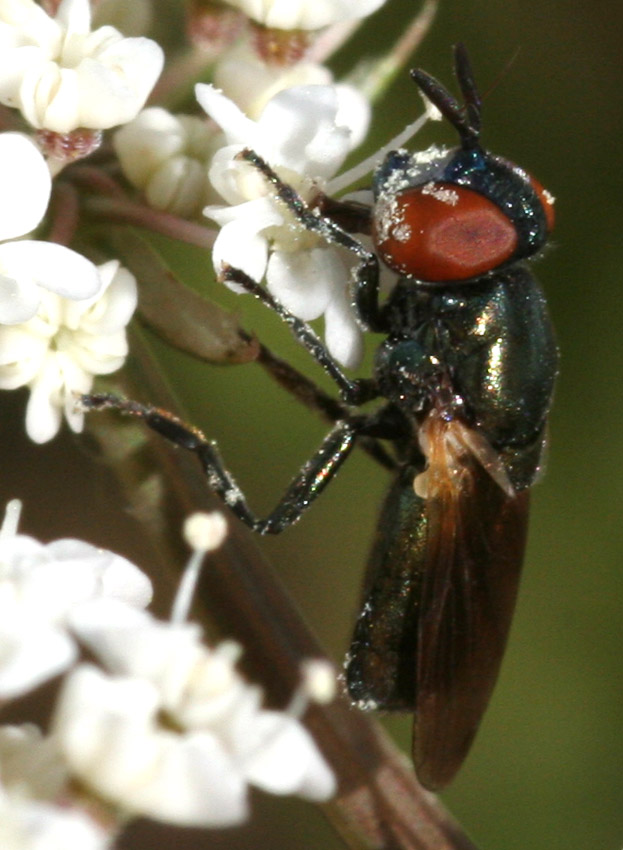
(465, 119)
(469, 90)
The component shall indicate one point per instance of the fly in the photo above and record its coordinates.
(466, 372)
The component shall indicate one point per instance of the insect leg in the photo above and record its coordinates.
(309, 482)
(355, 392)
(309, 394)
(367, 273)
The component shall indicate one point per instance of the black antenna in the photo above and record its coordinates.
(471, 95)
(465, 119)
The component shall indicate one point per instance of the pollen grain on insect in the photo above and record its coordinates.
(441, 193)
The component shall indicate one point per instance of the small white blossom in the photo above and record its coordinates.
(304, 133)
(250, 82)
(32, 778)
(31, 825)
(168, 156)
(176, 733)
(29, 267)
(40, 585)
(62, 76)
(57, 352)
(304, 14)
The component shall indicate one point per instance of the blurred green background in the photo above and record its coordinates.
(546, 768)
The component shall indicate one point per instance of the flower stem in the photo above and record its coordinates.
(379, 803)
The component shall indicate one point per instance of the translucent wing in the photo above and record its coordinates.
(475, 544)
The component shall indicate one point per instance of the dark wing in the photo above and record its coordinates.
(476, 536)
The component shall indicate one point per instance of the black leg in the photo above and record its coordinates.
(367, 273)
(310, 481)
(355, 392)
(309, 394)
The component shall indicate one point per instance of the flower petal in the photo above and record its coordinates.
(237, 127)
(43, 415)
(29, 658)
(19, 299)
(354, 112)
(26, 185)
(342, 332)
(251, 83)
(74, 15)
(143, 144)
(114, 84)
(109, 733)
(300, 281)
(112, 575)
(50, 266)
(300, 126)
(305, 14)
(287, 760)
(21, 356)
(237, 245)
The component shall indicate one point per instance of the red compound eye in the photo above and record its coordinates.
(443, 232)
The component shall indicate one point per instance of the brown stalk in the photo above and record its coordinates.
(379, 802)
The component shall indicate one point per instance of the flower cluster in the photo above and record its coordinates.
(157, 723)
(161, 726)
(61, 318)
(70, 80)
(287, 108)
(58, 351)
(62, 75)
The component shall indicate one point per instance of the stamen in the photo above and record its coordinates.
(10, 523)
(358, 171)
(320, 680)
(205, 532)
(318, 685)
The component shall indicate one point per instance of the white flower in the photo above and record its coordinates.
(28, 267)
(304, 14)
(57, 353)
(62, 76)
(40, 585)
(167, 156)
(250, 82)
(303, 136)
(177, 734)
(32, 777)
(31, 825)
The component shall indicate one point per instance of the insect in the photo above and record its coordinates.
(466, 372)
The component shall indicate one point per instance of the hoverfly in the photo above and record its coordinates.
(466, 370)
